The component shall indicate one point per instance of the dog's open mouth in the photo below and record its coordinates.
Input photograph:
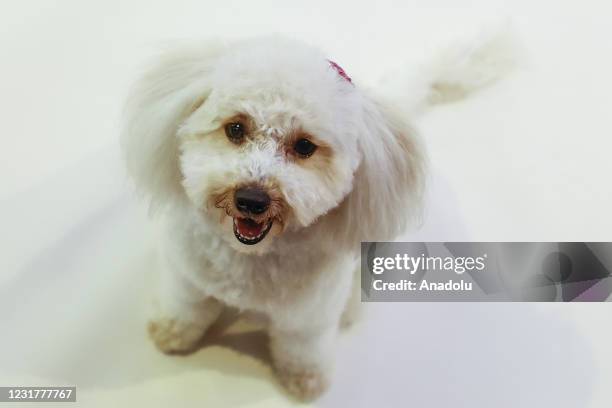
(250, 232)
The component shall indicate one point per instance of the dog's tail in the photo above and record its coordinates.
(458, 71)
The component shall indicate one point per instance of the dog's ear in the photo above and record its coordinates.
(388, 185)
(157, 106)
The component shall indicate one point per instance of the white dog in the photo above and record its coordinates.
(270, 166)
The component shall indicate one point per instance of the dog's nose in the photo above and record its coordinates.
(251, 200)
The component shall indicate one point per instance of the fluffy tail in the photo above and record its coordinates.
(458, 71)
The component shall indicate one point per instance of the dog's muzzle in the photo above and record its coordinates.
(251, 201)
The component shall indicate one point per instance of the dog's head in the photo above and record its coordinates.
(267, 138)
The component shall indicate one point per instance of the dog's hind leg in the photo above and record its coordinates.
(353, 309)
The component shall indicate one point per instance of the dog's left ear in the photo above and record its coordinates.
(389, 182)
(159, 103)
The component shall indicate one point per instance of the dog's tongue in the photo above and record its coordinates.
(248, 228)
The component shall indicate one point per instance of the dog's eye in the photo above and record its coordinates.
(235, 131)
(304, 148)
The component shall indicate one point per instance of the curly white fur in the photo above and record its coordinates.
(365, 184)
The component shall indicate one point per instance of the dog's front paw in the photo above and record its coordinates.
(174, 335)
(305, 384)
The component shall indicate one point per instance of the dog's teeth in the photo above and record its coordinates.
(254, 239)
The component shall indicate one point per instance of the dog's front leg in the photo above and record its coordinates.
(183, 313)
(303, 358)
(180, 330)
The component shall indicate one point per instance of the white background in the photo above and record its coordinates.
(526, 160)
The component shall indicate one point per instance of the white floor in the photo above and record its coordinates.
(526, 160)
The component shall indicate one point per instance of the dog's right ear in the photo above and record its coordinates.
(157, 106)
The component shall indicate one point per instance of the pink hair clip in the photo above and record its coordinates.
(340, 71)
